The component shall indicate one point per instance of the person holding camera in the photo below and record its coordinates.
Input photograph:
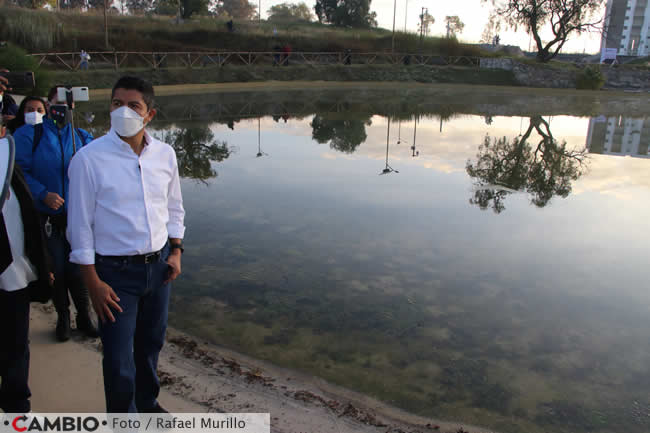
(8, 106)
(31, 111)
(44, 152)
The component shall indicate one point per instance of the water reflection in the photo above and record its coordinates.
(388, 169)
(344, 132)
(619, 136)
(543, 168)
(196, 148)
(532, 321)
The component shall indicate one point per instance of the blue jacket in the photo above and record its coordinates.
(46, 170)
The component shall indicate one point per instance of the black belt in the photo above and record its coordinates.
(141, 259)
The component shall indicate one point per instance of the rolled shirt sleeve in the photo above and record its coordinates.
(175, 225)
(81, 212)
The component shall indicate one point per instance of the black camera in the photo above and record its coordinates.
(20, 80)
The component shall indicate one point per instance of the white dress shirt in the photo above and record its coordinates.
(120, 204)
(20, 272)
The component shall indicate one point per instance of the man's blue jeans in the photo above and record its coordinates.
(132, 343)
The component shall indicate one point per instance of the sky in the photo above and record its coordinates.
(474, 13)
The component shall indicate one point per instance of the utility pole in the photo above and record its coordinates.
(392, 45)
(406, 7)
(106, 23)
(259, 13)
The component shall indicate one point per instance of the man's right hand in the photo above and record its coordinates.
(103, 299)
(53, 200)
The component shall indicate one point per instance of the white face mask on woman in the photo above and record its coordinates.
(126, 122)
(33, 118)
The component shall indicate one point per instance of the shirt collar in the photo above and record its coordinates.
(126, 146)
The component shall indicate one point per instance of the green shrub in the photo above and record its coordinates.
(590, 78)
(33, 30)
(16, 59)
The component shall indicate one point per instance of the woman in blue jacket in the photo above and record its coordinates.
(44, 152)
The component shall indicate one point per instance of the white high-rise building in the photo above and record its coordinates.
(627, 27)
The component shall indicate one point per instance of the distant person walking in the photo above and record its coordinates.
(286, 50)
(126, 228)
(85, 58)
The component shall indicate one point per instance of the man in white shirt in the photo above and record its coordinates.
(125, 227)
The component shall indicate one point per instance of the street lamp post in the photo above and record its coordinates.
(406, 7)
(392, 46)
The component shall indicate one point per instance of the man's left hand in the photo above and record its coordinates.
(174, 265)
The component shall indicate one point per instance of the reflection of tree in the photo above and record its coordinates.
(543, 170)
(195, 149)
(344, 134)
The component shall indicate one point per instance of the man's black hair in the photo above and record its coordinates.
(53, 91)
(135, 83)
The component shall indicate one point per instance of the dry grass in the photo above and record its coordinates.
(71, 31)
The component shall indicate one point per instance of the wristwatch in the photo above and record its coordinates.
(177, 246)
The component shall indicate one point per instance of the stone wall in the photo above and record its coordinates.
(544, 76)
(624, 78)
(496, 63)
(620, 78)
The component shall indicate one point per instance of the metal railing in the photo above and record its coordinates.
(192, 59)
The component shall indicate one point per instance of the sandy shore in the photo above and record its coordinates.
(198, 377)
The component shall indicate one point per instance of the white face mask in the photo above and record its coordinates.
(33, 118)
(126, 122)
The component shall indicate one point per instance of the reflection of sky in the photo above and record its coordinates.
(592, 244)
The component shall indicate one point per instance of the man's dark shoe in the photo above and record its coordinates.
(85, 325)
(156, 409)
(63, 327)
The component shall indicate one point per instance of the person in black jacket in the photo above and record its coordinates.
(24, 277)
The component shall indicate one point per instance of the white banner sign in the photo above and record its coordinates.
(608, 54)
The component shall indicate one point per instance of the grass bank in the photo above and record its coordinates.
(45, 31)
(243, 74)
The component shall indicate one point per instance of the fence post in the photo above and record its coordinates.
(115, 54)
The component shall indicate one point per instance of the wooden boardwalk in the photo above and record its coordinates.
(168, 59)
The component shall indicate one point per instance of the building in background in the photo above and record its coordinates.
(627, 28)
(619, 136)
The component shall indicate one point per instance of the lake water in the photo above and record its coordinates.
(462, 254)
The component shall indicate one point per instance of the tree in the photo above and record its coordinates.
(166, 7)
(72, 4)
(196, 148)
(288, 11)
(454, 25)
(139, 7)
(193, 7)
(33, 4)
(346, 13)
(240, 9)
(343, 134)
(543, 170)
(564, 18)
(426, 21)
(491, 30)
